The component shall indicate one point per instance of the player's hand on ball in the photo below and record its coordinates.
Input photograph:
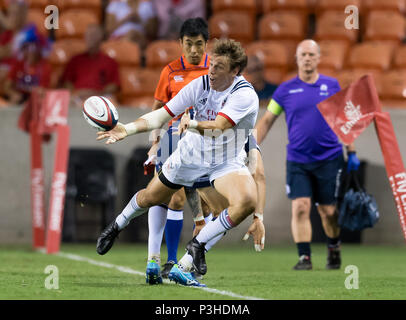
(116, 134)
(257, 231)
(184, 122)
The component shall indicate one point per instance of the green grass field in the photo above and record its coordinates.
(233, 273)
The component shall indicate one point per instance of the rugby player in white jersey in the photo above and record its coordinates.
(226, 108)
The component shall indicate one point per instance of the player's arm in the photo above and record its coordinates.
(150, 121)
(266, 122)
(218, 125)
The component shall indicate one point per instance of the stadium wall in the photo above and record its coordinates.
(15, 216)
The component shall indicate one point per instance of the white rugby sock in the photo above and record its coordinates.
(156, 226)
(208, 218)
(131, 211)
(186, 262)
(215, 228)
(213, 241)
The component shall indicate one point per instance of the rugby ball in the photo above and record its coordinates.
(100, 113)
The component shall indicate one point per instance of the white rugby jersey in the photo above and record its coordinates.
(238, 104)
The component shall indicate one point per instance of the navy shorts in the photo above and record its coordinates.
(318, 180)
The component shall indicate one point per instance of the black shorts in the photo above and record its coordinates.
(318, 180)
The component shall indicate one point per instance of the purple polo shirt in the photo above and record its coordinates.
(310, 137)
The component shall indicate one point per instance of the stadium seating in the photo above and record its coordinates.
(346, 76)
(336, 5)
(74, 22)
(274, 56)
(370, 55)
(385, 25)
(62, 52)
(124, 52)
(392, 5)
(330, 26)
(286, 27)
(248, 6)
(80, 4)
(281, 25)
(399, 59)
(237, 25)
(392, 88)
(138, 84)
(333, 54)
(40, 4)
(272, 5)
(160, 52)
(37, 17)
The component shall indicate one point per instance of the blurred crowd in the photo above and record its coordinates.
(25, 47)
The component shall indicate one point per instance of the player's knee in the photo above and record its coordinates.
(301, 207)
(177, 201)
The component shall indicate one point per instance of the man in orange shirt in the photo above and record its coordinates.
(193, 63)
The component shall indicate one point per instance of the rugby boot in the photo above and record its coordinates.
(166, 268)
(153, 273)
(184, 278)
(304, 263)
(197, 251)
(107, 237)
(333, 258)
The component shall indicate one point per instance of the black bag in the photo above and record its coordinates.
(358, 209)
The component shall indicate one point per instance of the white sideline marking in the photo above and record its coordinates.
(75, 257)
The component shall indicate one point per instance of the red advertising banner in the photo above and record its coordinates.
(45, 113)
(37, 189)
(58, 188)
(351, 110)
(393, 163)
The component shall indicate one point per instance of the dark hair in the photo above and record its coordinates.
(234, 51)
(194, 27)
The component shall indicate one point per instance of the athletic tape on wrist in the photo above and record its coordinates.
(199, 218)
(260, 216)
(192, 124)
(131, 128)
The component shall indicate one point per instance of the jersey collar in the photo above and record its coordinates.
(203, 63)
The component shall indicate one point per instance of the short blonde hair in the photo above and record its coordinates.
(234, 51)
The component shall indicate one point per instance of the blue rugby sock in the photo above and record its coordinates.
(173, 230)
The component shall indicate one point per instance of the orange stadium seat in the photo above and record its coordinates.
(274, 56)
(74, 22)
(330, 26)
(272, 5)
(249, 6)
(371, 55)
(93, 5)
(41, 4)
(399, 60)
(62, 52)
(333, 54)
(385, 25)
(37, 17)
(281, 25)
(124, 52)
(289, 75)
(347, 76)
(336, 5)
(392, 89)
(392, 5)
(272, 53)
(286, 27)
(160, 52)
(138, 83)
(237, 25)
